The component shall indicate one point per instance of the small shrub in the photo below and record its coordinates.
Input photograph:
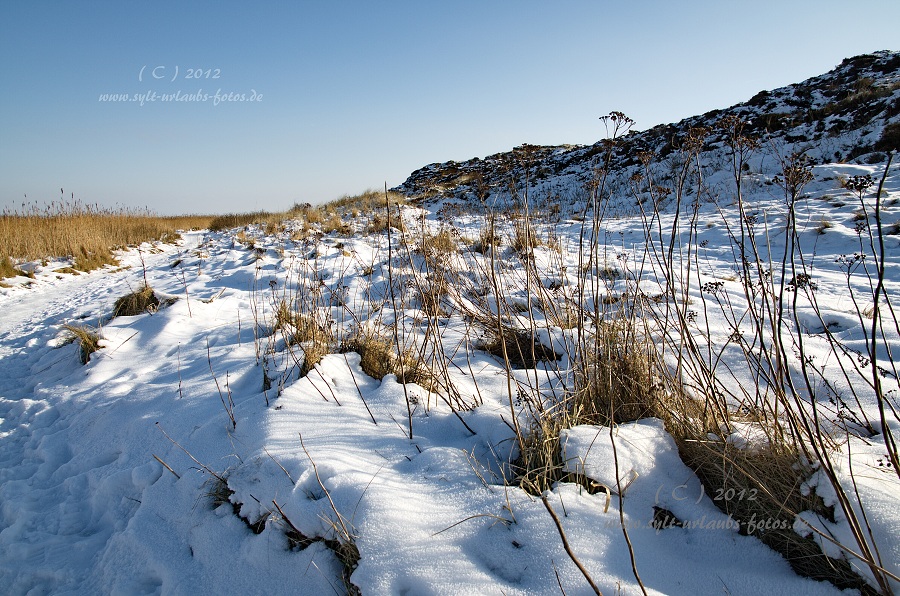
(136, 303)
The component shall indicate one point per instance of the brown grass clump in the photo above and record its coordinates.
(307, 329)
(87, 338)
(613, 382)
(88, 260)
(334, 223)
(302, 329)
(249, 242)
(239, 220)
(525, 239)
(615, 377)
(136, 303)
(313, 352)
(438, 246)
(522, 348)
(487, 240)
(760, 489)
(378, 358)
(379, 223)
(311, 215)
(7, 269)
(540, 464)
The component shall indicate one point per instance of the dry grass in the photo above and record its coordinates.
(438, 246)
(487, 240)
(300, 327)
(304, 330)
(313, 352)
(431, 297)
(824, 225)
(315, 339)
(334, 223)
(615, 376)
(562, 315)
(379, 223)
(378, 358)
(523, 349)
(366, 201)
(7, 269)
(88, 340)
(613, 382)
(525, 239)
(760, 489)
(239, 220)
(136, 303)
(540, 465)
(85, 233)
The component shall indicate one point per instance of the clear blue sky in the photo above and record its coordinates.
(355, 94)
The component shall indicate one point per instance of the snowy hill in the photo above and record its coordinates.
(852, 113)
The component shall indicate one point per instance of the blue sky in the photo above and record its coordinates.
(356, 94)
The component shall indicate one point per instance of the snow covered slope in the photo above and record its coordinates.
(198, 451)
(851, 113)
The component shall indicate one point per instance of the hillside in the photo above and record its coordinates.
(850, 114)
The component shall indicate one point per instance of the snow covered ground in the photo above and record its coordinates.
(209, 386)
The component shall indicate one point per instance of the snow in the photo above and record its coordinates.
(86, 506)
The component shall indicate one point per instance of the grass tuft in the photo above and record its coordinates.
(523, 349)
(487, 240)
(87, 338)
(614, 378)
(136, 303)
(8, 269)
(88, 260)
(378, 358)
